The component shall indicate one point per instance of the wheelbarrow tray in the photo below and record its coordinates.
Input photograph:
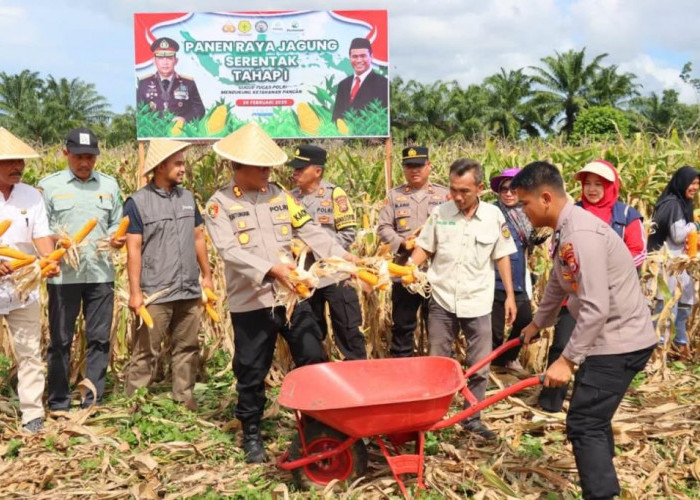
(372, 397)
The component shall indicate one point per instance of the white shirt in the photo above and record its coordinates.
(362, 76)
(25, 208)
(464, 251)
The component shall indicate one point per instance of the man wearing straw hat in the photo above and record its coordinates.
(72, 196)
(251, 222)
(165, 253)
(29, 228)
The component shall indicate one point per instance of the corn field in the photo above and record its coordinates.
(147, 447)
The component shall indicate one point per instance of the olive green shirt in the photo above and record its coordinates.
(70, 203)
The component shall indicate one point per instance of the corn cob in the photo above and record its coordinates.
(301, 289)
(85, 230)
(209, 293)
(54, 257)
(410, 244)
(64, 242)
(19, 263)
(121, 229)
(408, 279)
(212, 312)
(397, 270)
(48, 269)
(177, 127)
(4, 225)
(342, 126)
(146, 317)
(308, 121)
(368, 277)
(365, 222)
(13, 253)
(217, 119)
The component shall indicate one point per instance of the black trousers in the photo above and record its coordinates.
(498, 323)
(254, 338)
(552, 398)
(346, 318)
(404, 306)
(64, 306)
(601, 382)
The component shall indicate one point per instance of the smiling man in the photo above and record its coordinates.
(364, 85)
(465, 238)
(613, 337)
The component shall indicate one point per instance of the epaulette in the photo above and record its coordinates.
(185, 77)
(147, 77)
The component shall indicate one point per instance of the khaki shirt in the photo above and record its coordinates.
(405, 210)
(464, 250)
(330, 208)
(252, 231)
(594, 268)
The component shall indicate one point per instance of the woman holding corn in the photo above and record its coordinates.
(672, 224)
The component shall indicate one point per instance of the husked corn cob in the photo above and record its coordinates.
(121, 229)
(342, 126)
(217, 120)
(19, 263)
(397, 270)
(368, 277)
(48, 269)
(4, 225)
(365, 222)
(64, 242)
(408, 279)
(85, 230)
(209, 293)
(308, 121)
(13, 253)
(177, 127)
(212, 312)
(410, 244)
(146, 317)
(54, 256)
(301, 289)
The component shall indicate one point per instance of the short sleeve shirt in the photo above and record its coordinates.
(25, 208)
(461, 272)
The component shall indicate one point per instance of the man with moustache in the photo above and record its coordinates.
(166, 251)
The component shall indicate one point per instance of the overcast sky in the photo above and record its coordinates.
(463, 40)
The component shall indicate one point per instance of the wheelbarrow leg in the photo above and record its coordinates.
(405, 463)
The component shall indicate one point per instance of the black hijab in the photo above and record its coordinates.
(672, 201)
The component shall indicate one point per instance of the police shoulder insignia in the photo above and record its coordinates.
(237, 192)
(567, 254)
(213, 210)
(342, 202)
(505, 232)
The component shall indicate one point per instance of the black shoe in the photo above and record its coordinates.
(477, 427)
(253, 445)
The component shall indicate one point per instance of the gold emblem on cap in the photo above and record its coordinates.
(412, 152)
(164, 44)
(244, 238)
(296, 152)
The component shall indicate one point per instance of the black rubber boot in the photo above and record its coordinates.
(253, 445)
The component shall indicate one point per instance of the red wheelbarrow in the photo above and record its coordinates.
(338, 404)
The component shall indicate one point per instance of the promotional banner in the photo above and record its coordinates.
(299, 74)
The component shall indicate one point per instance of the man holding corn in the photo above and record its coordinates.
(330, 208)
(251, 222)
(405, 211)
(166, 252)
(73, 196)
(23, 207)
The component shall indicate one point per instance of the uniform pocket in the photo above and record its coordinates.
(283, 231)
(484, 247)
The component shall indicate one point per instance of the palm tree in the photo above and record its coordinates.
(19, 98)
(564, 83)
(609, 88)
(510, 111)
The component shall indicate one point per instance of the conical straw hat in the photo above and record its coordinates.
(161, 149)
(250, 145)
(11, 148)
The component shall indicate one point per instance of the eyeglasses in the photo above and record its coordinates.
(506, 189)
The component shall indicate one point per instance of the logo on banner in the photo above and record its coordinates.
(261, 26)
(244, 26)
(228, 28)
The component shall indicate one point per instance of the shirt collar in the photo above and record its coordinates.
(363, 76)
(162, 192)
(454, 211)
(564, 214)
(73, 177)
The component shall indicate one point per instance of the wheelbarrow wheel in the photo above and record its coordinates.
(345, 466)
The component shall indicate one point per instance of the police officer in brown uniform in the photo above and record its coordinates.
(613, 338)
(407, 208)
(330, 208)
(167, 90)
(251, 222)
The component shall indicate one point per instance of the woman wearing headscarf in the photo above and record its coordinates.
(600, 188)
(672, 222)
(525, 238)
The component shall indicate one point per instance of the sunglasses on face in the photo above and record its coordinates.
(506, 189)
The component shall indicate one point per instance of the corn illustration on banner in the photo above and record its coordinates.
(299, 74)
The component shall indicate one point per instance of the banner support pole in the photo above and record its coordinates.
(387, 165)
(142, 163)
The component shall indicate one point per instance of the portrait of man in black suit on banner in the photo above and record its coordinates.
(364, 85)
